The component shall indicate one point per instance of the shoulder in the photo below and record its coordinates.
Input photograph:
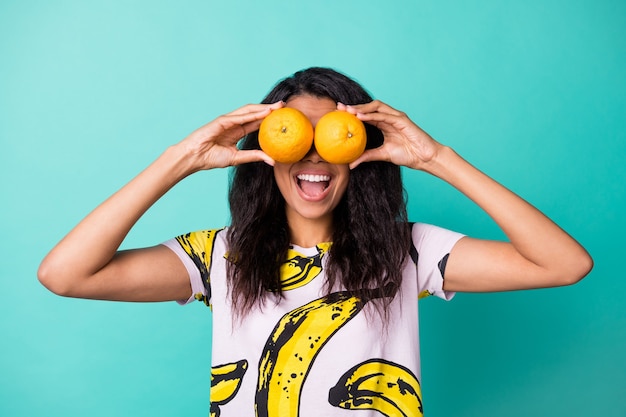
(200, 238)
(424, 233)
(199, 245)
(432, 244)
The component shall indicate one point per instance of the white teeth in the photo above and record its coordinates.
(314, 178)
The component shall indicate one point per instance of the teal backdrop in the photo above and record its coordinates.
(533, 93)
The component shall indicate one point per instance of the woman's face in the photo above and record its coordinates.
(312, 187)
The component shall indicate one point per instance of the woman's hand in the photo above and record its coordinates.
(87, 263)
(214, 145)
(405, 143)
(538, 254)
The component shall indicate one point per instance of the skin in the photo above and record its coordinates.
(310, 218)
(537, 254)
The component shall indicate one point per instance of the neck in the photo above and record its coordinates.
(309, 232)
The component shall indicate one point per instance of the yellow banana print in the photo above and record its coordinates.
(299, 270)
(380, 385)
(424, 294)
(199, 247)
(225, 382)
(292, 347)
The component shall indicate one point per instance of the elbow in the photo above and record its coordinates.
(586, 266)
(578, 269)
(53, 279)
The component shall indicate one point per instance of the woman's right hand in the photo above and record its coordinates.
(86, 263)
(214, 145)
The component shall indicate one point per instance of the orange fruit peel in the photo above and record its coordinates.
(286, 135)
(340, 137)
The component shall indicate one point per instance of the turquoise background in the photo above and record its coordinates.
(532, 92)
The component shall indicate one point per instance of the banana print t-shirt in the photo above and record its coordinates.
(314, 353)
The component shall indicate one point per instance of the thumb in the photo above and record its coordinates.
(252, 155)
(376, 154)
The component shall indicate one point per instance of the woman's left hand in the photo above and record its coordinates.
(539, 253)
(405, 143)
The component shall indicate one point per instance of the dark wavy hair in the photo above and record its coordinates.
(371, 236)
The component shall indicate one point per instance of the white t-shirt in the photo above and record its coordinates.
(311, 354)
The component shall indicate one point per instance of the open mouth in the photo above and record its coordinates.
(313, 185)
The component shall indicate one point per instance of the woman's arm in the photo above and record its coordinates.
(87, 264)
(539, 253)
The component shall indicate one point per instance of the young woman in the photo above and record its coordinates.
(314, 285)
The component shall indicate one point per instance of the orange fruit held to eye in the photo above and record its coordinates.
(340, 137)
(286, 135)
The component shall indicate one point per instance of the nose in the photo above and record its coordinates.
(312, 155)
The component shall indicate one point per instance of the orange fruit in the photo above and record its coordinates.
(286, 135)
(340, 137)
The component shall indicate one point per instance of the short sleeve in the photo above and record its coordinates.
(195, 250)
(432, 246)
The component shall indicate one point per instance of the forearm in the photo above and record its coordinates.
(539, 254)
(523, 224)
(94, 241)
(558, 257)
(87, 264)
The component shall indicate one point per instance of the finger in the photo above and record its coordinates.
(376, 122)
(250, 108)
(251, 127)
(253, 117)
(230, 120)
(382, 120)
(376, 154)
(383, 126)
(375, 106)
(254, 155)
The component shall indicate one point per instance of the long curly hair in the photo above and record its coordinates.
(371, 236)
